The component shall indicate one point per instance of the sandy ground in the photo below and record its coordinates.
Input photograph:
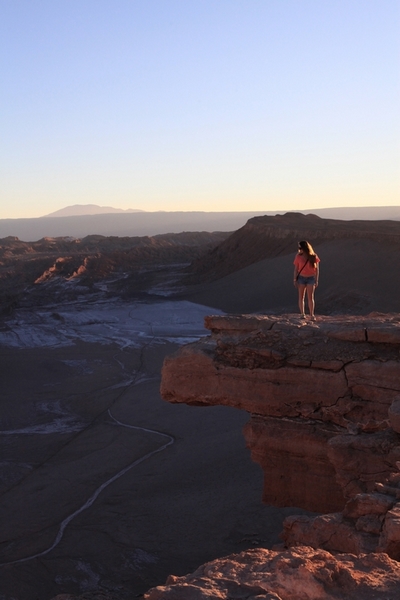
(104, 486)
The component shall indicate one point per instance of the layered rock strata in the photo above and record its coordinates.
(323, 398)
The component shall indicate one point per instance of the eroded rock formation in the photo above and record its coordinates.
(27, 268)
(324, 400)
(296, 574)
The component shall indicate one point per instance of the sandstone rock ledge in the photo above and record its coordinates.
(324, 404)
(298, 574)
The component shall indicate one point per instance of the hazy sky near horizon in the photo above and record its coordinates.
(203, 105)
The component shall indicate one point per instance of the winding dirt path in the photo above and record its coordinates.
(102, 487)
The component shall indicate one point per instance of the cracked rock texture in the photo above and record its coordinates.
(324, 404)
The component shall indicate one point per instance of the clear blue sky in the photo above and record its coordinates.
(198, 104)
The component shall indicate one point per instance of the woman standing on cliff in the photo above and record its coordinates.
(305, 277)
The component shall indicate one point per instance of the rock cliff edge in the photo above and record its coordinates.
(324, 404)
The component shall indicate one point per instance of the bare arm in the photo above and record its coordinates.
(295, 273)
(316, 274)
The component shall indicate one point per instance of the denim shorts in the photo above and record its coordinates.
(306, 280)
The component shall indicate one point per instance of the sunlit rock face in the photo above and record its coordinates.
(296, 574)
(323, 398)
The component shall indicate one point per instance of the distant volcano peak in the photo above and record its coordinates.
(78, 210)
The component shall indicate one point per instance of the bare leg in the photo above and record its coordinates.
(310, 299)
(302, 289)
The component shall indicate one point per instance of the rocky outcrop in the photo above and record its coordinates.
(323, 398)
(296, 574)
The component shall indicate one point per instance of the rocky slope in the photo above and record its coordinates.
(269, 237)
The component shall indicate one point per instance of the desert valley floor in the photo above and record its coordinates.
(103, 484)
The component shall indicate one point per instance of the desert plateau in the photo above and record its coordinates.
(171, 429)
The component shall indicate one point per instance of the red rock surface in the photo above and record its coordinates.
(323, 398)
(324, 403)
(297, 574)
(370, 522)
(320, 394)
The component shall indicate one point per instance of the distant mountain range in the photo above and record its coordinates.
(359, 213)
(368, 213)
(123, 224)
(141, 223)
(77, 210)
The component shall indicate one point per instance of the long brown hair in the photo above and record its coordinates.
(309, 251)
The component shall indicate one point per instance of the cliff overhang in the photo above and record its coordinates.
(324, 404)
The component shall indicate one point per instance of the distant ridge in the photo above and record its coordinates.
(346, 213)
(139, 223)
(78, 210)
(267, 237)
(123, 224)
(357, 213)
(252, 269)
